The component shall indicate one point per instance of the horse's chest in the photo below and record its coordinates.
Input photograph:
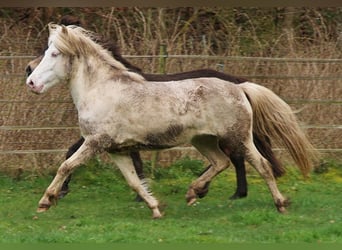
(93, 120)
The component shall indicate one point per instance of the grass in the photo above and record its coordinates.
(100, 208)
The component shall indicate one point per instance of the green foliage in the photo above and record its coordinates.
(325, 164)
(101, 208)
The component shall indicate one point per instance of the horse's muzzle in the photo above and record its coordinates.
(34, 88)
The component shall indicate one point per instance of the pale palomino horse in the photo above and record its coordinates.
(263, 144)
(217, 117)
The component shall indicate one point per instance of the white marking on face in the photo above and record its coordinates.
(50, 71)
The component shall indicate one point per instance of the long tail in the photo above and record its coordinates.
(273, 118)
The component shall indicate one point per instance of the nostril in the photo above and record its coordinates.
(28, 70)
(30, 83)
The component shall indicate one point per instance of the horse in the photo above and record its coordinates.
(217, 117)
(263, 143)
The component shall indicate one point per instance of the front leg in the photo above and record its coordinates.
(125, 164)
(50, 196)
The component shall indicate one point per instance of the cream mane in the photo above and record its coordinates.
(75, 41)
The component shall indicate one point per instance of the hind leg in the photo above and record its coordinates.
(208, 146)
(264, 169)
(241, 180)
(237, 158)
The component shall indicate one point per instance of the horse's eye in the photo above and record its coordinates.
(54, 54)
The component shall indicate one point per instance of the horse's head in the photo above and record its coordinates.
(67, 44)
(49, 69)
(65, 20)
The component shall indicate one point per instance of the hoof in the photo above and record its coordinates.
(42, 208)
(155, 217)
(204, 191)
(156, 214)
(190, 197)
(238, 196)
(191, 201)
(281, 206)
(45, 202)
(282, 210)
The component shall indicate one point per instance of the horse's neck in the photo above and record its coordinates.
(78, 90)
(91, 79)
(85, 77)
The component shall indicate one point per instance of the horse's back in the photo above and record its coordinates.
(208, 102)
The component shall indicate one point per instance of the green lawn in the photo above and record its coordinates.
(100, 208)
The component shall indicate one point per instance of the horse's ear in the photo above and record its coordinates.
(64, 29)
(51, 27)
